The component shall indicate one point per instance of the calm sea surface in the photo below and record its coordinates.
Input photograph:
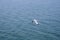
(16, 19)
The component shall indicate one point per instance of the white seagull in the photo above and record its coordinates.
(35, 21)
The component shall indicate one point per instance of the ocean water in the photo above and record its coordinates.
(16, 19)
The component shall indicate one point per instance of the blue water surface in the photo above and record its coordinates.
(16, 17)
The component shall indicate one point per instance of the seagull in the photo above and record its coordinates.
(35, 21)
